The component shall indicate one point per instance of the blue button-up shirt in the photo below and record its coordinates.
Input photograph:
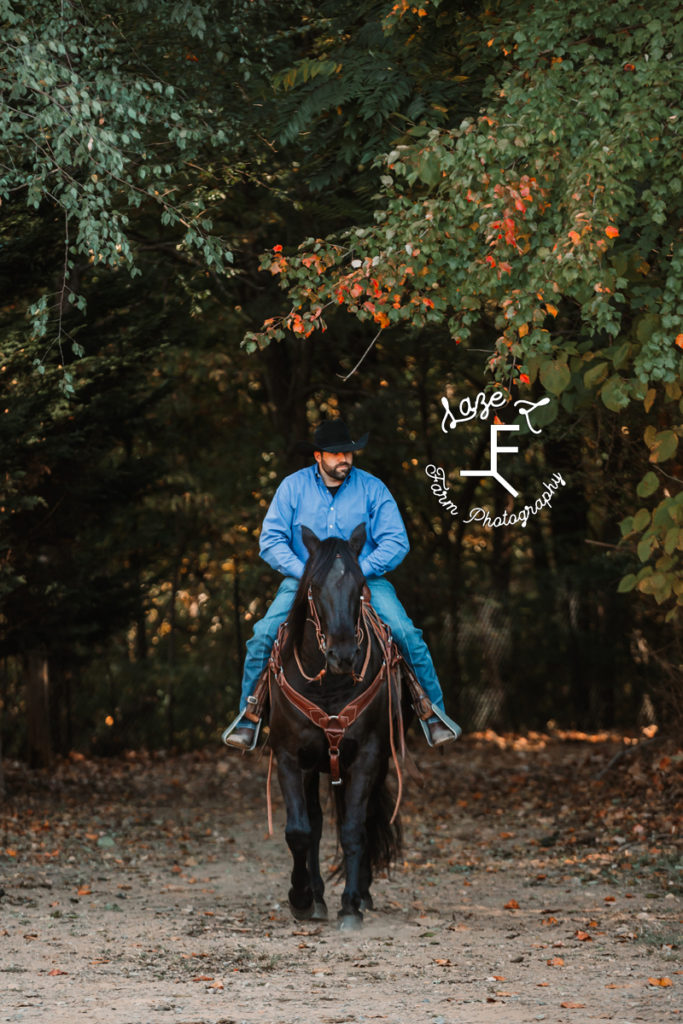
(302, 499)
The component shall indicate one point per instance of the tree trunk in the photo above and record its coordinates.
(38, 710)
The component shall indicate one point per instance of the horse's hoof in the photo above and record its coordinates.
(302, 913)
(319, 912)
(366, 903)
(350, 922)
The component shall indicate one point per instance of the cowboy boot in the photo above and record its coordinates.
(243, 732)
(436, 724)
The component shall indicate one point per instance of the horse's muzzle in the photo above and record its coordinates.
(341, 657)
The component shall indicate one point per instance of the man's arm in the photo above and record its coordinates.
(275, 544)
(387, 533)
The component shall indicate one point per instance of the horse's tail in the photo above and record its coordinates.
(384, 837)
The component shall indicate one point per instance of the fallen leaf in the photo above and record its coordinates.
(555, 961)
(203, 977)
(572, 1006)
(512, 905)
(583, 936)
(85, 890)
(443, 963)
(660, 982)
(55, 971)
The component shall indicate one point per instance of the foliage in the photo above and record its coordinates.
(111, 120)
(553, 219)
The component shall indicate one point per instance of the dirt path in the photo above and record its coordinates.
(144, 890)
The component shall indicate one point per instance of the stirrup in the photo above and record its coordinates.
(448, 722)
(237, 722)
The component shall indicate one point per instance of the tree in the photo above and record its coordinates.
(551, 218)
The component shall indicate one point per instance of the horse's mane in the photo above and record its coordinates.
(316, 571)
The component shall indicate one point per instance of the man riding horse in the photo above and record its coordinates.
(331, 497)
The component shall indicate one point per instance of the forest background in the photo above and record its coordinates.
(222, 222)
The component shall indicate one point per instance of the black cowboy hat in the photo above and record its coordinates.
(332, 436)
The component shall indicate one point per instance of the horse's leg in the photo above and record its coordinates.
(365, 881)
(315, 816)
(353, 836)
(297, 834)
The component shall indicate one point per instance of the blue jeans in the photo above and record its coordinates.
(388, 607)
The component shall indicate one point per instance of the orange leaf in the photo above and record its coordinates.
(523, 330)
(660, 982)
(85, 890)
(551, 309)
(583, 936)
(572, 1006)
(53, 973)
(611, 231)
(512, 905)
(555, 961)
(575, 237)
(679, 340)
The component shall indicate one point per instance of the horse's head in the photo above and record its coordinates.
(335, 583)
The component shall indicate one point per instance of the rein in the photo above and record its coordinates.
(335, 726)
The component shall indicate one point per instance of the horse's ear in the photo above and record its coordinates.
(310, 540)
(357, 539)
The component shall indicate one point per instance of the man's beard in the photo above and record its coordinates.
(337, 472)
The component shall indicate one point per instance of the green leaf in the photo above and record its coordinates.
(595, 375)
(658, 585)
(627, 583)
(555, 376)
(626, 526)
(664, 446)
(644, 548)
(641, 520)
(614, 393)
(429, 169)
(648, 485)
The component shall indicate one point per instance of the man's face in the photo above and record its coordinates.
(334, 466)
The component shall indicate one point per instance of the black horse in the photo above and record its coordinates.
(334, 708)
